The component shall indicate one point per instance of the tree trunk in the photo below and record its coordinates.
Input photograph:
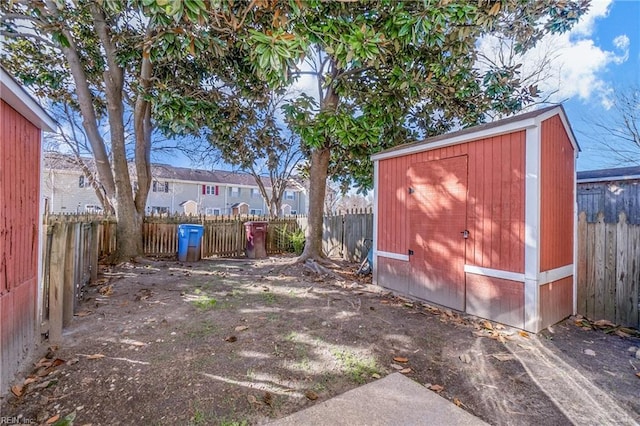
(129, 226)
(317, 188)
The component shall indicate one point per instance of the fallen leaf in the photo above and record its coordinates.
(603, 323)
(16, 390)
(73, 361)
(589, 352)
(311, 395)
(267, 398)
(457, 402)
(621, 333)
(638, 375)
(56, 362)
(106, 290)
(375, 375)
(503, 356)
(384, 302)
(465, 358)
(396, 366)
(252, 399)
(242, 328)
(408, 305)
(523, 334)
(82, 313)
(499, 327)
(53, 419)
(479, 334)
(95, 356)
(29, 380)
(230, 339)
(486, 324)
(400, 359)
(436, 388)
(406, 370)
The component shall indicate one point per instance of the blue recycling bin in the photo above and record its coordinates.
(189, 240)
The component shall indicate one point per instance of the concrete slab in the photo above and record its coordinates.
(392, 400)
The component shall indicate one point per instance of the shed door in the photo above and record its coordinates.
(437, 220)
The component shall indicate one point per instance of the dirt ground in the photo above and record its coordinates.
(238, 341)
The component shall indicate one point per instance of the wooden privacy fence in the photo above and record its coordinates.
(609, 270)
(70, 261)
(348, 235)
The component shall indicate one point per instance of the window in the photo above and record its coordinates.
(212, 212)
(92, 208)
(81, 181)
(158, 210)
(293, 212)
(209, 189)
(234, 191)
(255, 211)
(289, 195)
(255, 193)
(160, 186)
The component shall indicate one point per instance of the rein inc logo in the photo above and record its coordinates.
(16, 420)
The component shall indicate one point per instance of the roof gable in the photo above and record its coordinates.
(506, 125)
(17, 97)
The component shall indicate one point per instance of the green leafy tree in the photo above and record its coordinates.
(258, 142)
(164, 63)
(392, 72)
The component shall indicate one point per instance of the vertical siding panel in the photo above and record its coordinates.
(557, 196)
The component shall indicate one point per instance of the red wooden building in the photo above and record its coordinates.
(22, 121)
(482, 220)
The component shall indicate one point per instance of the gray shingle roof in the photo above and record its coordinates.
(620, 173)
(59, 161)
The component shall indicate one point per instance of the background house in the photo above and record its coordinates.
(610, 191)
(174, 190)
(23, 121)
(482, 220)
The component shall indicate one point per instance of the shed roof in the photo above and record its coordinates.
(14, 94)
(603, 175)
(494, 128)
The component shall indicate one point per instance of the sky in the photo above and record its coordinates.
(599, 55)
(584, 66)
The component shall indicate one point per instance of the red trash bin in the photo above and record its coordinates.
(256, 232)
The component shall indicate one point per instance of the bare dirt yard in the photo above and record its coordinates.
(238, 341)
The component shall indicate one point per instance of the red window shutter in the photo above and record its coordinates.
(204, 189)
(216, 189)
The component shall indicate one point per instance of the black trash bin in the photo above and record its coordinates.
(256, 239)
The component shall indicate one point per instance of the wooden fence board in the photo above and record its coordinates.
(610, 271)
(582, 265)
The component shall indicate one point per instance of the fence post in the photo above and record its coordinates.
(94, 249)
(582, 264)
(69, 273)
(56, 281)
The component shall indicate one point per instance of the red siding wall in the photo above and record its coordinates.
(497, 299)
(495, 195)
(496, 203)
(556, 301)
(557, 198)
(19, 209)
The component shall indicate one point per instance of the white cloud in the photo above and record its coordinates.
(598, 9)
(572, 63)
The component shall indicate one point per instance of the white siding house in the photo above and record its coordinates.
(173, 190)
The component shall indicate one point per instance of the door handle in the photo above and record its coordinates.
(465, 234)
(410, 252)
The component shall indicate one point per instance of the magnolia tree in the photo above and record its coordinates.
(161, 63)
(387, 72)
(391, 72)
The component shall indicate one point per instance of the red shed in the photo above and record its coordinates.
(22, 122)
(482, 220)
